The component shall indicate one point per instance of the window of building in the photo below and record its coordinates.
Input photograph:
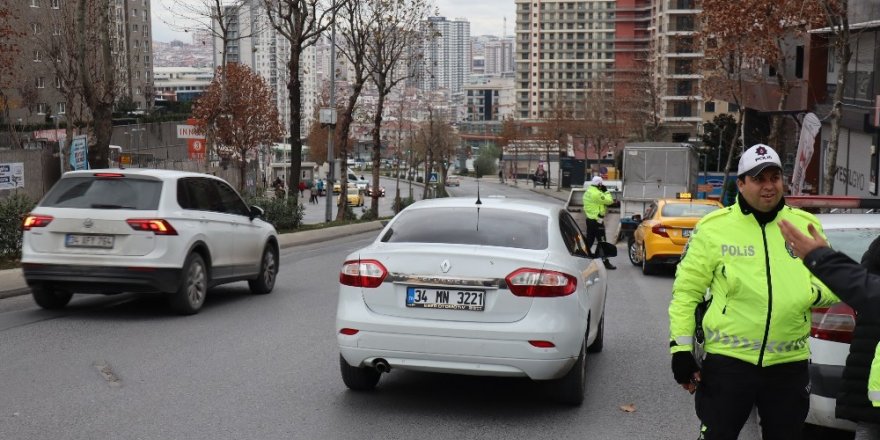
(134, 12)
(37, 55)
(34, 4)
(57, 82)
(62, 107)
(40, 82)
(56, 4)
(732, 107)
(709, 107)
(42, 108)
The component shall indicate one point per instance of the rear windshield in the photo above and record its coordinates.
(89, 192)
(486, 227)
(852, 242)
(686, 210)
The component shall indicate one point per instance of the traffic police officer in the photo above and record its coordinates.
(757, 324)
(858, 285)
(596, 200)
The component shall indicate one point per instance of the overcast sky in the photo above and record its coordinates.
(486, 17)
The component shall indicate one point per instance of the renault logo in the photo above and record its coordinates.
(445, 266)
(88, 223)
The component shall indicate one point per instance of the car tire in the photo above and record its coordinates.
(633, 252)
(358, 378)
(570, 389)
(265, 281)
(50, 298)
(190, 295)
(599, 342)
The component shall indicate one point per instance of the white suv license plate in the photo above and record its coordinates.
(89, 241)
(450, 299)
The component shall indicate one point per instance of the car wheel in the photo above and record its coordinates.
(265, 282)
(599, 342)
(570, 388)
(358, 378)
(190, 296)
(49, 297)
(633, 252)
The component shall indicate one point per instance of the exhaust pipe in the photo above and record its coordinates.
(381, 365)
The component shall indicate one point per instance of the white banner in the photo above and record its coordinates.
(11, 175)
(188, 132)
(809, 129)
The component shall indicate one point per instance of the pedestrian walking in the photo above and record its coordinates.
(596, 200)
(302, 188)
(313, 195)
(859, 286)
(757, 323)
(320, 187)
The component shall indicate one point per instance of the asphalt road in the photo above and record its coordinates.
(265, 367)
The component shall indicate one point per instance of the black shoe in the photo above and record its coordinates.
(608, 265)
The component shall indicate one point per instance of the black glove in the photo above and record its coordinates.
(684, 366)
(603, 188)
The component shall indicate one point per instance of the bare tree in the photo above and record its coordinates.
(301, 23)
(9, 52)
(245, 118)
(393, 55)
(97, 72)
(353, 20)
(836, 14)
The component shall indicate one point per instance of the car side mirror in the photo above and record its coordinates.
(637, 218)
(256, 211)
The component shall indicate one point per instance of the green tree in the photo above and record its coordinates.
(484, 165)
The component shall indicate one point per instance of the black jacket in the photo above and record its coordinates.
(858, 286)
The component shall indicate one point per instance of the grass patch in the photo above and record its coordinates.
(9, 264)
(331, 224)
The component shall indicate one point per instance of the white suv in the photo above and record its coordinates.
(114, 231)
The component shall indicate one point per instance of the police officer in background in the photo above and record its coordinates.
(859, 286)
(758, 322)
(596, 200)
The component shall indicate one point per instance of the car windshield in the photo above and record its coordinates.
(852, 242)
(695, 210)
(88, 192)
(471, 225)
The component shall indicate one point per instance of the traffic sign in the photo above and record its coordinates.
(196, 148)
(433, 178)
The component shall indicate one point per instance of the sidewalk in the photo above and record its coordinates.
(12, 281)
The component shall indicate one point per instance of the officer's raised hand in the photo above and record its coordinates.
(686, 370)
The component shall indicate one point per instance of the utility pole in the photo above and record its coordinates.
(328, 213)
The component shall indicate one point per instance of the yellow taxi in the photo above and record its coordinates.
(664, 229)
(354, 195)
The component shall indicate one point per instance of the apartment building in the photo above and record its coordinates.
(491, 99)
(34, 90)
(499, 57)
(447, 58)
(254, 43)
(564, 54)
(674, 59)
(181, 84)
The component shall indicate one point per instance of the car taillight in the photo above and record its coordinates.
(157, 226)
(540, 283)
(660, 230)
(35, 221)
(835, 323)
(362, 273)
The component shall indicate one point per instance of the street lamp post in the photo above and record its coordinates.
(328, 209)
(61, 142)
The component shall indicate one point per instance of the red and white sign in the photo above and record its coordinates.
(188, 132)
(196, 148)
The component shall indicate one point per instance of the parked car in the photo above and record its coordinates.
(501, 287)
(832, 327)
(453, 181)
(664, 230)
(143, 230)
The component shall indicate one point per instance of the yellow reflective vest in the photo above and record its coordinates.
(761, 293)
(595, 202)
(874, 379)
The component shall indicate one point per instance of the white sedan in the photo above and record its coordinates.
(497, 287)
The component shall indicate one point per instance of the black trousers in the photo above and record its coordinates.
(730, 388)
(595, 231)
